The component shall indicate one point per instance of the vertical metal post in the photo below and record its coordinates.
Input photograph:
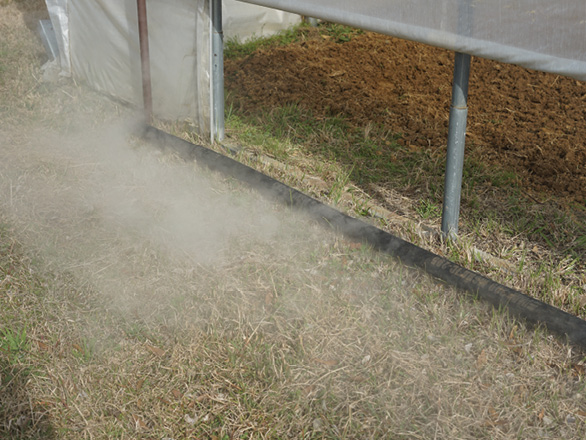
(456, 143)
(217, 71)
(145, 63)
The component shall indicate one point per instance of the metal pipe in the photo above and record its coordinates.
(456, 144)
(217, 72)
(145, 63)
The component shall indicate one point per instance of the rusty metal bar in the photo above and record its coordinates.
(143, 35)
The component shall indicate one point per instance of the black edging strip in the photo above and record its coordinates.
(501, 297)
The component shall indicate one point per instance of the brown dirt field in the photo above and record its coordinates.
(528, 122)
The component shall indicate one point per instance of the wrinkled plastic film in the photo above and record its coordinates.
(58, 13)
(179, 40)
(99, 45)
(538, 34)
(104, 46)
(103, 50)
(243, 21)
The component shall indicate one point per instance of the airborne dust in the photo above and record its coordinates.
(121, 216)
(278, 326)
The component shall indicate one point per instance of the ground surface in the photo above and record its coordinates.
(146, 298)
(531, 123)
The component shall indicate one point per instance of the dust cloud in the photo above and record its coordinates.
(121, 216)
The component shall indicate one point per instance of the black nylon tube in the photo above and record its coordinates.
(516, 303)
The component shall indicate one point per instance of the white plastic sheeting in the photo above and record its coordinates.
(243, 21)
(105, 51)
(60, 19)
(99, 45)
(544, 35)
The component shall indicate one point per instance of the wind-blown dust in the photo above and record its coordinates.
(155, 299)
(189, 282)
(102, 207)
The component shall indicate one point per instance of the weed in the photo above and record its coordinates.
(253, 134)
(235, 48)
(14, 342)
(339, 187)
(340, 33)
(85, 349)
(428, 210)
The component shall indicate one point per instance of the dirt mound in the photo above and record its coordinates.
(528, 122)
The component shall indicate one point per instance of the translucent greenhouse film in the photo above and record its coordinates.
(242, 21)
(543, 35)
(99, 45)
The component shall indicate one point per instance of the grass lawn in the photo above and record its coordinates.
(145, 297)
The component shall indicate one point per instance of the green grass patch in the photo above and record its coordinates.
(14, 341)
(372, 155)
(497, 214)
(377, 157)
(236, 48)
(339, 32)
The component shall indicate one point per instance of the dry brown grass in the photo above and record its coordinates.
(115, 324)
(319, 340)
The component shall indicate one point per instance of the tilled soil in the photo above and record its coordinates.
(528, 122)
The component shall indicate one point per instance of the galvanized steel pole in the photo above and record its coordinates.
(217, 71)
(456, 143)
